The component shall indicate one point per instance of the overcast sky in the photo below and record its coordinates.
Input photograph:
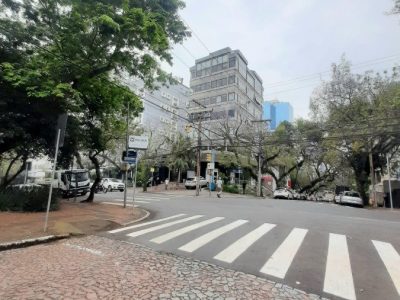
(287, 39)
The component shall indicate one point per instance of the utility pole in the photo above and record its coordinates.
(259, 151)
(198, 158)
(126, 148)
(372, 171)
(390, 184)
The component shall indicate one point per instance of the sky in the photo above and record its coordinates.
(292, 44)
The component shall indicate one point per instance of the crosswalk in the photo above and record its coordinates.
(192, 234)
(138, 201)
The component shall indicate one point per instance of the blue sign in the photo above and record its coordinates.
(130, 160)
(129, 157)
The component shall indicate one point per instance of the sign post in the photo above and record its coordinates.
(61, 126)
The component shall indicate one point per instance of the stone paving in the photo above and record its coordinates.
(99, 268)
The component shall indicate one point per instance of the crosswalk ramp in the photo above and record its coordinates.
(239, 242)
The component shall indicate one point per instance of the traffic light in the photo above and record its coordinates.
(208, 157)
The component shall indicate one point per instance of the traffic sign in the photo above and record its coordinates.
(129, 157)
(138, 142)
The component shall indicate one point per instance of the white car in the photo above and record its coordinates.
(283, 193)
(192, 182)
(351, 197)
(112, 184)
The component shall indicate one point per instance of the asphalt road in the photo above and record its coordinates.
(338, 252)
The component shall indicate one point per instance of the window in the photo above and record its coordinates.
(219, 82)
(206, 101)
(198, 74)
(214, 62)
(231, 79)
(193, 73)
(231, 96)
(213, 84)
(224, 98)
(214, 68)
(224, 81)
(225, 58)
(213, 100)
(219, 59)
(218, 99)
(231, 113)
(225, 66)
(232, 62)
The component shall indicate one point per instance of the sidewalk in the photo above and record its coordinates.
(99, 268)
(72, 217)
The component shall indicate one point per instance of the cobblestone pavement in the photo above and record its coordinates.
(100, 268)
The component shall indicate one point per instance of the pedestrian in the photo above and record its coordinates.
(244, 186)
(219, 187)
(166, 183)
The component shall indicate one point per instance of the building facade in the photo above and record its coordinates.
(162, 108)
(277, 112)
(224, 89)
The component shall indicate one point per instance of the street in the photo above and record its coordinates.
(338, 252)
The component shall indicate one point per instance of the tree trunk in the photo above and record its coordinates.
(95, 161)
(360, 166)
(179, 176)
(7, 180)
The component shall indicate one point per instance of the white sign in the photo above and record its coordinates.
(211, 166)
(138, 142)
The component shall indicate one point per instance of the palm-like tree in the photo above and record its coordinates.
(182, 154)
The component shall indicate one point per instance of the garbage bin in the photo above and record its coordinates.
(212, 186)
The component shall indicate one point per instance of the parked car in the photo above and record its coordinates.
(192, 182)
(336, 199)
(283, 193)
(351, 197)
(112, 184)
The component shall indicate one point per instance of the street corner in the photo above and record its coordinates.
(72, 218)
(99, 268)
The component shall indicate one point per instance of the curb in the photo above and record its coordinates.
(31, 242)
(147, 214)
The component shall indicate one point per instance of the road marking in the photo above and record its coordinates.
(241, 245)
(151, 229)
(208, 237)
(137, 199)
(176, 233)
(146, 223)
(279, 263)
(391, 260)
(338, 277)
(119, 204)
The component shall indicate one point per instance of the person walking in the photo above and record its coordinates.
(219, 187)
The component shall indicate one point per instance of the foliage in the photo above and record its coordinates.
(359, 113)
(233, 188)
(182, 154)
(33, 199)
(74, 54)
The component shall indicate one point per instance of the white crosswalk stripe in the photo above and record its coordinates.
(151, 229)
(146, 223)
(338, 280)
(241, 245)
(391, 260)
(338, 276)
(179, 232)
(280, 261)
(208, 237)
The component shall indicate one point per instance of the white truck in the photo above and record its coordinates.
(68, 182)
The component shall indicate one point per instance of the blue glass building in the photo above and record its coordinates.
(277, 112)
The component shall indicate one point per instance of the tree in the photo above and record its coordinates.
(76, 51)
(181, 155)
(360, 113)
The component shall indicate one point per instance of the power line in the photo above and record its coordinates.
(194, 33)
(353, 66)
(187, 50)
